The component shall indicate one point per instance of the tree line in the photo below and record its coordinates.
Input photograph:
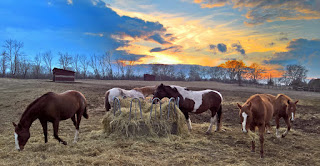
(15, 64)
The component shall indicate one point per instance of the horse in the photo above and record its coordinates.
(284, 107)
(195, 102)
(257, 111)
(51, 107)
(142, 92)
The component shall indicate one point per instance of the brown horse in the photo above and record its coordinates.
(257, 111)
(195, 102)
(284, 107)
(51, 107)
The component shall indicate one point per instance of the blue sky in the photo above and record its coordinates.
(204, 32)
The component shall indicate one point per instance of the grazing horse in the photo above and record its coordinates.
(51, 107)
(195, 102)
(284, 107)
(257, 111)
(142, 92)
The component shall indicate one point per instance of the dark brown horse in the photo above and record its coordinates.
(195, 102)
(257, 111)
(284, 107)
(51, 107)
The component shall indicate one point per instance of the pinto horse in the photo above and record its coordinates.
(257, 111)
(142, 92)
(195, 102)
(51, 107)
(284, 107)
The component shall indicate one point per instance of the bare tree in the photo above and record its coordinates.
(120, 66)
(235, 69)
(4, 59)
(84, 63)
(47, 58)
(24, 67)
(255, 72)
(108, 56)
(129, 66)
(194, 74)
(181, 76)
(294, 75)
(37, 65)
(76, 64)
(65, 60)
(94, 61)
(13, 49)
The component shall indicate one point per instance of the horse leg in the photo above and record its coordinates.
(55, 132)
(212, 120)
(44, 124)
(73, 118)
(277, 127)
(286, 119)
(268, 127)
(261, 134)
(253, 146)
(186, 115)
(76, 136)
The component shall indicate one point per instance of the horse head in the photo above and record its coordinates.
(160, 92)
(245, 115)
(291, 109)
(21, 136)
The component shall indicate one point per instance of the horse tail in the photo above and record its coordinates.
(106, 102)
(85, 113)
(219, 113)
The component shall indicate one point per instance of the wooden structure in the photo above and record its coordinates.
(149, 77)
(61, 75)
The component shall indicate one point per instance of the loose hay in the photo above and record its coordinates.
(120, 125)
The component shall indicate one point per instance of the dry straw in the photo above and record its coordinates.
(156, 126)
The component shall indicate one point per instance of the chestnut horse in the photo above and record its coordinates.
(284, 107)
(257, 111)
(142, 92)
(195, 102)
(51, 107)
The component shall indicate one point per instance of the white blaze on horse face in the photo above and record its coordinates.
(244, 122)
(292, 116)
(16, 141)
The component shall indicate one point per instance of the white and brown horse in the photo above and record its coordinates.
(257, 111)
(142, 92)
(51, 107)
(195, 102)
(284, 107)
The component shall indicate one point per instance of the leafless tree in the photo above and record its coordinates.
(13, 48)
(129, 67)
(37, 65)
(120, 66)
(294, 74)
(94, 62)
(47, 58)
(76, 64)
(181, 76)
(24, 67)
(194, 73)
(4, 59)
(84, 63)
(65, 60)
(108, 56)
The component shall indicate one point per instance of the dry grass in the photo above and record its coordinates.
(228, 147)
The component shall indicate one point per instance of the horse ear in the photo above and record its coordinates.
(249, 104)
(239, 105)
(161, 85)
(296, 102)
(288, 101)
(14, 124)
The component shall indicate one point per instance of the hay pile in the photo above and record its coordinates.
(120, 125)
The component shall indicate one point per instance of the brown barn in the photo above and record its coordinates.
(61, 75)
(149, 77)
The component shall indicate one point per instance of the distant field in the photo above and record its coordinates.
(228, 147)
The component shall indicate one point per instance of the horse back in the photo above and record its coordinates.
(262, 108)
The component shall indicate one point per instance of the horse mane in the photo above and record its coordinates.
(35, 102)
(283, 95)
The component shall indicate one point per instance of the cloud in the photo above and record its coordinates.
(271, 44)
(221, 47)
(156, 37)
(300, 51)
(173, 48)
(261, 11)
(239, 48)
(283, 39)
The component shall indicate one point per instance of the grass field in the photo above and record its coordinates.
(228, 147)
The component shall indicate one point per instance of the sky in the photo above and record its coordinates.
(271, 33)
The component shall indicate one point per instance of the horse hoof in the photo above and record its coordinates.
(208, 133)
(283, 136)
(64, 142)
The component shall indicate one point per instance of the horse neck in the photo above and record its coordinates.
(29, 116)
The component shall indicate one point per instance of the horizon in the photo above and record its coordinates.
(184, 32)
